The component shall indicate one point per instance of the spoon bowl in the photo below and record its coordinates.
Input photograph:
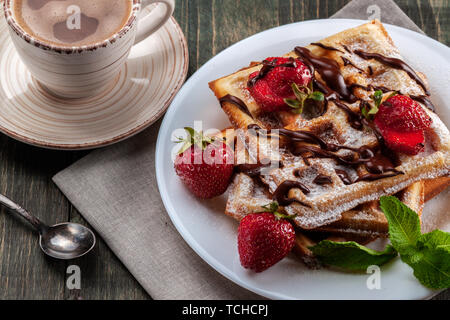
(61, 241)
(67, 241)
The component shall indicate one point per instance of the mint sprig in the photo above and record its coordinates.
(404, 224)
(351, 255)
(301, 96)
(427, 254)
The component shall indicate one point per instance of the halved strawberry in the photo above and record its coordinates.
(403, 114)
(273, 84)
(403, 122)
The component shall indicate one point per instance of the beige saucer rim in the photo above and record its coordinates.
(123, 136)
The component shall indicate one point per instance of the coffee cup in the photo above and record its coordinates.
(75, 51)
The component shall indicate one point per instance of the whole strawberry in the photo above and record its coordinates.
(264, 239)
(403, 122)
(204, 166)
(273, 84)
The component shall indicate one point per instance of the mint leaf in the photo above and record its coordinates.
(294, 104)
(404, 224)
(301, 95)
(428, 254)
(437, 239)
(317, 96)
(351, 255)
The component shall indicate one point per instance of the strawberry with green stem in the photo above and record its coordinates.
(265, 238)
(401, 121)
(282, 84)
(205, 165)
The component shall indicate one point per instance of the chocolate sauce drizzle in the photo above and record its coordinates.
(329, 71)
(331, 95)
(322, 179)
(382, 89)
(344, 177)
(394, 63)
(346, 48)
(318, 44)
(425, 100)
(373, 177)
(254, 170)
(349, 63)
(282, 192)
(354, 118)
(334, 88)
(377, 164)
(357, 85)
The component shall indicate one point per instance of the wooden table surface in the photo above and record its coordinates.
(25, 172)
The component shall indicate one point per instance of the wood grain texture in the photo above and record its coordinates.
(25, 172)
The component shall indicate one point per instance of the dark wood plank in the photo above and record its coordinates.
(26, 178)
(237, 20)
(433, 17)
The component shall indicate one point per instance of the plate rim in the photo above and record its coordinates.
(125, 135)
(181, 229)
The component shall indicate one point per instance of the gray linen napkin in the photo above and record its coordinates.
(115, 190)
(385, 10)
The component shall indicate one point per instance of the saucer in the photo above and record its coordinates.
(135, 99)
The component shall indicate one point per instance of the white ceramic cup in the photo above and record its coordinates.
(76, 72)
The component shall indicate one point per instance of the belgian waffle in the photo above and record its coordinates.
(357, 52)
(247, 195)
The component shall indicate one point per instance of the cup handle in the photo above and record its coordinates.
(154, 19)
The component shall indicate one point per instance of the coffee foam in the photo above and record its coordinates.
(46, 20)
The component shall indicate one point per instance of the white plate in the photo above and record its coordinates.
(213, 235)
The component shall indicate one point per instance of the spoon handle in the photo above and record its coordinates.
(35, 222)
